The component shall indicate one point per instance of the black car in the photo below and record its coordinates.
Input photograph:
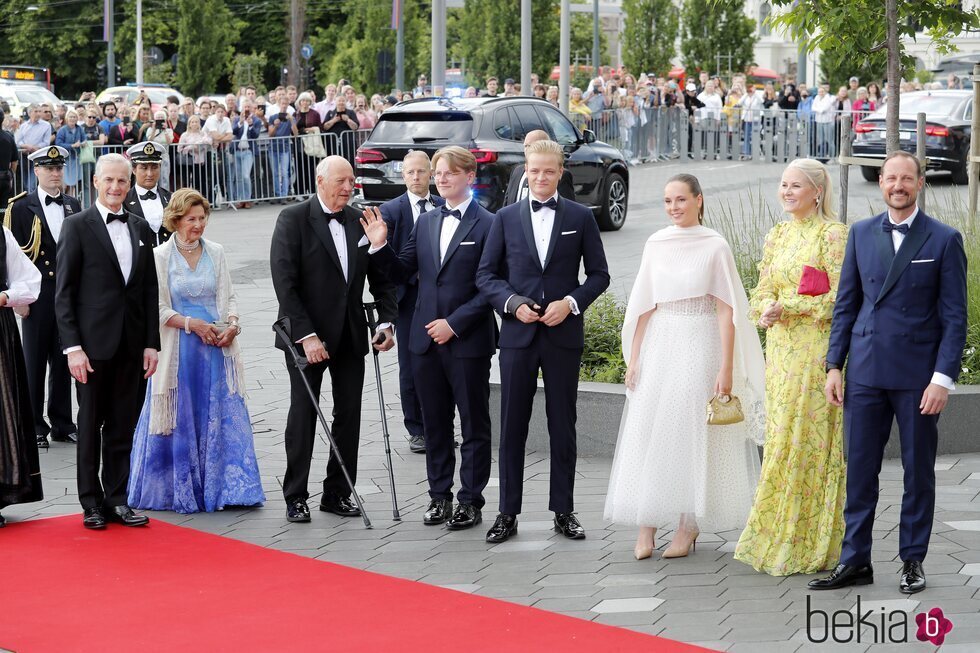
(493, 129)
(948, 115)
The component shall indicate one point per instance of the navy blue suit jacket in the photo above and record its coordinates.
(901, 316)
(397, 214)
(447, 290)
(510, 266)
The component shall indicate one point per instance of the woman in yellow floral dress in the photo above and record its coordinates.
(797, 524)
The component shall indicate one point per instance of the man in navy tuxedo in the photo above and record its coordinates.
(900, 322)
(400, 215)
(453, 334)
(530, 274)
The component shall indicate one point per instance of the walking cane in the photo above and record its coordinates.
(282, 329)
(372, 320)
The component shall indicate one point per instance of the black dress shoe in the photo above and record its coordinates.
(567, 524)
(342, 506)
(93, 518)
(297, 511)
(502, 529)
(71, 438)
(42, 441)
(124, 515)
(416, 444)
(844, 576)
(913, 577)
(466, 516)
(437, 512)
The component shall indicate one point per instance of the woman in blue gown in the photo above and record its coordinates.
(193, 447)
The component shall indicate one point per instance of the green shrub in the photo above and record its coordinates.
(602, 359)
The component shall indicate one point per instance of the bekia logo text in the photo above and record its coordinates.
(874, 626)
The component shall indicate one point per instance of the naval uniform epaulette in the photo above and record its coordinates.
(7, 220)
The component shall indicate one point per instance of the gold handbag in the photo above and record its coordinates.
(725, 409)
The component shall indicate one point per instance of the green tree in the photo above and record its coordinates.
(249, 69)
(710, 28)
(159, 30)
(837, 67)
(207, 33)
(855, 31)
(648, 43)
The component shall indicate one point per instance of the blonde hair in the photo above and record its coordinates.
(180, 203)
(817, 174)
(456, 157)
(546, 147)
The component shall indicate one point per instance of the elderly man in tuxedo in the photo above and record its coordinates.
(35, 219)
(108, 316)
(517, 187)
(900, 323)
(147, 198)
(400, 216)
(319, 259)
(529, 273)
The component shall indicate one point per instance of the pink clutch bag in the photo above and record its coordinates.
(813, 282)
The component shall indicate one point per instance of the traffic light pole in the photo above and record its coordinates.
(110, 57)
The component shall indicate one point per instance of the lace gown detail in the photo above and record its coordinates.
(208, 462)
(668, 460)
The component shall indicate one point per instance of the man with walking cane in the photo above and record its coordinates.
(319, 263)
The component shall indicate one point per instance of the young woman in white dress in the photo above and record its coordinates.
(686, 338)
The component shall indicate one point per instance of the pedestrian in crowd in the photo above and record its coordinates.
(218, 127)
(420, 85)
(366, 118)
(788, 98)
(35, 219)
(245, 131)
(686, 337)
(342, 122)
(491, 88)
(291, 95)
(141, 115)
(539, 295)
(193, 449)
(187, 109)
(20, 468)
(32, 135)
(401, 215)
(281, 127)
(204, 111)
(770, 119)
(470, 92)
(377, 105)
(147, 198)
(842, 110)
(110, 118)
(231, 105)
(8, 162)
(874, 94)
(71, 137)
(518, 186)
(193, 154)
(47, 116)
(158, 132)
(691, 105)
(106, 309)
(452, 337)
(263, 173)
(900, 324)
(824, 117)
(953, 82)
(316, 247)
(710, 117)
(123, 134)
(327, 104)
(797, 524)
(853, 84)
(578, 110)
(94, 136)
(861, 107)
(539, 91)
(309, 152)
(551, 95)
(175, 124)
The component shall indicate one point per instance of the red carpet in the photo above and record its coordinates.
(167, 588)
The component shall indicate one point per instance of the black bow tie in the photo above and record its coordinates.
(150, 195)
(551, 204)
(122, 217)
(57, 199)
(338, 216)
(453, 212)
(888, 227)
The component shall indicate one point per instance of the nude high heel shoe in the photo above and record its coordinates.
(642, 550)
(682, 548)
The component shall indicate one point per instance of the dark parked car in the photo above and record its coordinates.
(493, 129)
(948, 115)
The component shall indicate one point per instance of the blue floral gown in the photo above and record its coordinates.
(208, 462)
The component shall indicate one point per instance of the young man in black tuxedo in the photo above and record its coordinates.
(453, 335)
(35, 219)
(529, 273)
(517, 187)
(319, 265)
(108, 317)
(146, 198)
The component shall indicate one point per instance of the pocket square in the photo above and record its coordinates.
(142, 244)
(925, 260)
(469, 242)
(566, 233)
(363, 241)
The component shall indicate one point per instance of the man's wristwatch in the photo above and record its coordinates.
(571, 304)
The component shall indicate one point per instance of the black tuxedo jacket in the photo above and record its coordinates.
(93, 302)
(132, 204)
(397, 214)
(23, 213)
(310, 284)
(565, 187)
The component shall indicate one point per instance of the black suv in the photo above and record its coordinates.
(493, 129)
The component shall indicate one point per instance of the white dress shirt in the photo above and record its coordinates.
(897, 239)
(413, 199)
(23, 276)
(522, 187)
(54, 214)
(152, 209)
(119, 235)
(450, 224)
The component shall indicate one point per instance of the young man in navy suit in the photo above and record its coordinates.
(400, 215)
(530, 274)
(900, 322)
(453, 334)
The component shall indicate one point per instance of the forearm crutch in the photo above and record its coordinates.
(370, 309)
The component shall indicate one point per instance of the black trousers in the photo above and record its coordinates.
(108, 408)
(518, 383)
(42, 350)
(346, 370)
(411, 410)
(444, 384)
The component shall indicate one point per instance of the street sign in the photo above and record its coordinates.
(306, 51)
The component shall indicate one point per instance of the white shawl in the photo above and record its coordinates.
(163, 403)
(683, 263)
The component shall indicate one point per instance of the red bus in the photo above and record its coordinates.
(26, 75)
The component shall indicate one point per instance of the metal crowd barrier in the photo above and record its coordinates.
(265, 169)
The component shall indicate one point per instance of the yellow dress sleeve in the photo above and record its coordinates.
(830, 259)
(764, 293)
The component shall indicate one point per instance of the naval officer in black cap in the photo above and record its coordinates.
(35, 219)
(146, 198)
